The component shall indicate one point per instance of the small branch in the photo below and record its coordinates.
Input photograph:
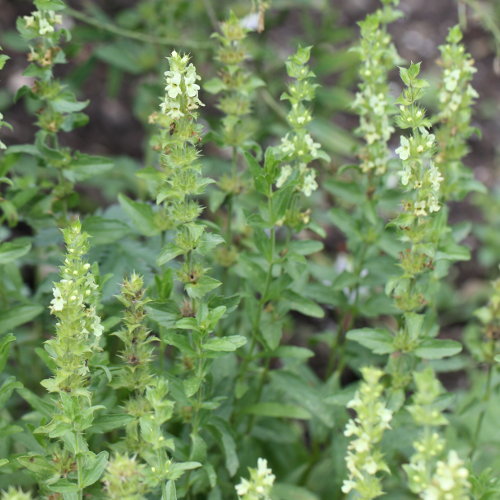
(123, 32)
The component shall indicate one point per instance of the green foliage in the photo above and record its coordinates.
(237, 313)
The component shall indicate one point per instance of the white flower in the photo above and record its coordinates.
(314, 147)
(420, 208)
(451, 80)
(173, 87)
(348, 485)
(285, 173)
(435, 177)
(181, 90)
(260, 484)
(405, 175)
(243, 487)
(57, 303)
(287, 146)
(309, 184)
(404, 149)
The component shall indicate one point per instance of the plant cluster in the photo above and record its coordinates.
(201, 334)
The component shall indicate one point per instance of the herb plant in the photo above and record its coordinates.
(186, 325)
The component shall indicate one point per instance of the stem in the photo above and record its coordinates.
(260, 388)
(336, 359)
(487, 19)
(211, 14)
(126, 33)
(262, 301)
(480, 420)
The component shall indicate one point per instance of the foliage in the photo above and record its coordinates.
(239, 313)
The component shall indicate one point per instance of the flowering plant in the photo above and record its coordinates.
(249, 301)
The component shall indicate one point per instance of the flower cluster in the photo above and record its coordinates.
(42, 22)
(259, 486)
(181, 89)
(450, 481)
(179, 178)
(79, 328)
(364, 459)
(235, 85)
(124, 479)
(456, 99)
(148, 403)
(419, 171)
(450, 477)
(137, 352)
(298, 148)
(378, 56)
(15, 494)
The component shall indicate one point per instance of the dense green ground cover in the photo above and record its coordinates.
(265, 295)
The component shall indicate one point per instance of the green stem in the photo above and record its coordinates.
(480, 420)
(211, 14)
(487, 18)
(126, 33)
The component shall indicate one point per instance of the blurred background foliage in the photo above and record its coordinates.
(116, 60)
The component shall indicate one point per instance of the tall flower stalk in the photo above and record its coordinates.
(456, 99)
(147, 403)
(282, 182)
(376, 109)
(77, 338)
(57, 107)
(429, 477)
(364, 457)
(194, 323)
(372, 103)
(235, 87)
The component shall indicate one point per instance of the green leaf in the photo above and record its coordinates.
(5, 348)
(94, 468)
(271, 330)
(294, 352)
(50, 4)
(302, 305)
(437, 348)
(277, 410)
(141, 214)
(168, 491)
(305, 247)
(261, 184)
(214, 86)
(3, 461)
(282, 491)
(18, 315)
(176, 470)
(104, 231)
(110, 422)
(453, 252)
(37, 403)
(68, 105)
(263, 244)
(13, 250)
(123, 54)
(204, 285)
(224, 436)
(350, 192)
(10, 384)
(225, 344)
(377, 340)
(85, 167)
(305, 394)
(63, 486)
(168, 252)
